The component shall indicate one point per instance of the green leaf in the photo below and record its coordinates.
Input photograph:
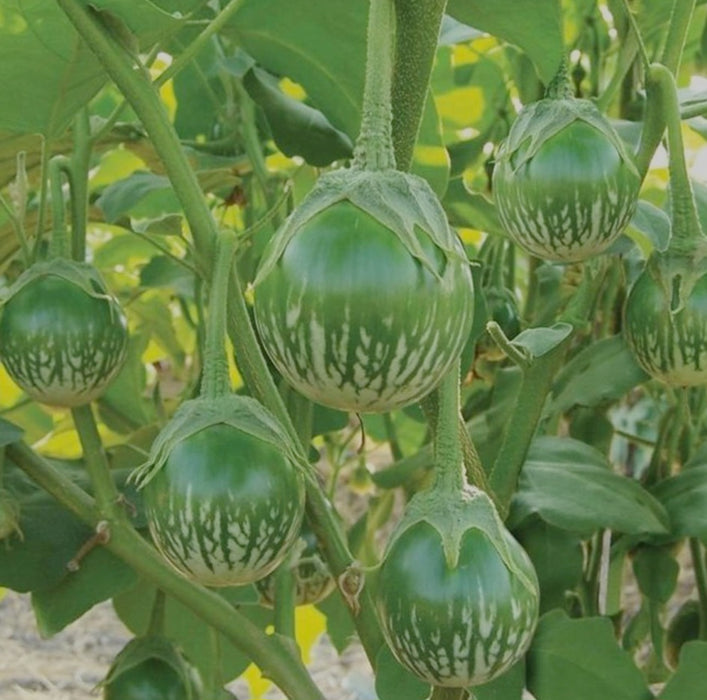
(581, 657)
(322, 46)
(690, 679)
(123, 406)
(51, 538)
(339, 625)
(123, 196)
(684, 497)
(558, 559)
(192, 634)
(540, 341)
(394, 682)
(471, 209)
(656, 572)
(9, 433)
(44, 66)
(508, 686)
(164, 271)
(297, 128)
(652, 223)
(571, 486)
(601, 373)
(100, 577)
(430, 158)
(533, 25)
(148, 20)
(201, 83)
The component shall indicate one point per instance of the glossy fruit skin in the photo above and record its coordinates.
(671, 347)
(572, 198)
(225, 507)
(313, 580)
(455, 627)
(59, 343)
(353, 321)
(152, 679)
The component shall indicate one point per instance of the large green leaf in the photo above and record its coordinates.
(297, 128)
(580, 659)
(685, 499)
(571, 486)
(690, 680)
(213, 654)
(533, 25)
(9, 433)
(47, 73)
(557, 557)
(601, 373)
(508, 686)
(100, 577)
(394, 682)
(147, 20)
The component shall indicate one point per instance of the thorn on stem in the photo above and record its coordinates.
(99, 538)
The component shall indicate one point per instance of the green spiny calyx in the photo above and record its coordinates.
(665, 316)
(223, 490)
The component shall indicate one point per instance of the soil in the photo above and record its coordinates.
(71, 664)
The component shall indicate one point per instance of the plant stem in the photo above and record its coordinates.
(284, 617)
(80, 162)
(374, 146)
(677, 33)
(417, 32)
(654, 118)
(106, 494)
(215, 380)
(276, 659)
(193, 48)
(698, 564)
(59, 244)
(449, 462)
(686, 230)
(43, 189)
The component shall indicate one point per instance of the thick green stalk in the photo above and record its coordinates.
(59, 166)
(374, 146)
(449, 461)
(276, 659)
(285, 592)
(417, 33)
(106, 494)
(80, 162)
(215, 378)
(677, 34)
(686, 230)
(654, 118)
